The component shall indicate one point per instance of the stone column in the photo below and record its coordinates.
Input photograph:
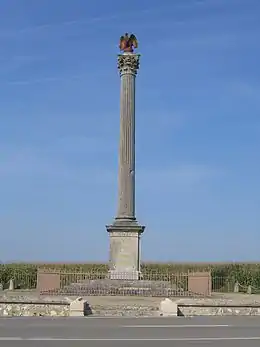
(125, 231)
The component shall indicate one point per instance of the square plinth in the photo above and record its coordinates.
(124, 262)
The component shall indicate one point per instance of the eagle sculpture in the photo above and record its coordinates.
(128, 43)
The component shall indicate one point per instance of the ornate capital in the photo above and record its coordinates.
(128, 63)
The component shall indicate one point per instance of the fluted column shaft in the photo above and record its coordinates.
(128, 65)
(125, 231)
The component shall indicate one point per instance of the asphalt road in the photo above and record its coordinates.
(130, 332)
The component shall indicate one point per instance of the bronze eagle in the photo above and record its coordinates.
(128, 43)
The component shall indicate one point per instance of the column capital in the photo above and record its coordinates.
(128, 63)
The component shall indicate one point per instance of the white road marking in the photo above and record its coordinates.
(178, 326)
(92, 317)
(10, 338)
(249, 338)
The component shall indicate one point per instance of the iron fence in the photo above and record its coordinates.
(152, 283)
(100, 283)
(19, 281)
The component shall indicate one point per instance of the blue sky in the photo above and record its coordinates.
(197, 119)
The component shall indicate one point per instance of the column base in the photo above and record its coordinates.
(124, 262)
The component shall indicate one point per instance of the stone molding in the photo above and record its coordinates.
(124, 234)
(125, 230)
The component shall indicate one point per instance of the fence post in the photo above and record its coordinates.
(199, 283)
(48, 280)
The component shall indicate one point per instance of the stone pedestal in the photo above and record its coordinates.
(125, 251)
(125, 231)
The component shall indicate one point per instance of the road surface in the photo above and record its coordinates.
(130, 332)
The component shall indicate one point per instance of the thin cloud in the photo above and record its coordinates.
(44, 80)
(98, 19)
(66, 23)
(161, 121)
(200, 40)
(182, 177)
(12, 63)
(82, 144)
(29, 162)
(246, 89)
(84, 21)
(53, 158)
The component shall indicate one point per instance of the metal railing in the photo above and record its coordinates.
(150, 283)
(19, 281)
(101, 283)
